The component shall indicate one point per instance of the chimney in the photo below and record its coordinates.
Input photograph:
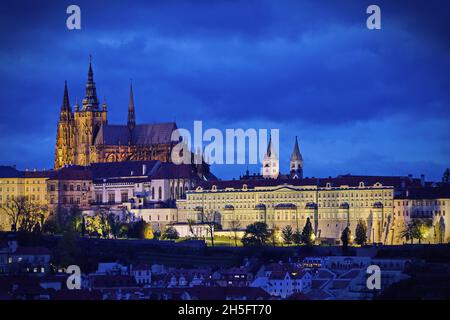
(144, 169)
(422, 180)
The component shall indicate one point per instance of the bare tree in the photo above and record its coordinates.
(24, 214)
(210, 219)
(191, 223)
(235, 226)
(15, 208)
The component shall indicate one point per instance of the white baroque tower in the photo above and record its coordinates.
(271, 164)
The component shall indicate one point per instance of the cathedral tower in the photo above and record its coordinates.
(271, 164)
(65, 133)
(296, 162)
(88, 121)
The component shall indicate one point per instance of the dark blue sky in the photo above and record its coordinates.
(361, 101)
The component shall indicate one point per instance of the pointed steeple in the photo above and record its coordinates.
(131, 115)
(269, 147)
(90, 101)
(296, 162)
(296, 155)
(66, 105)
(271, 165)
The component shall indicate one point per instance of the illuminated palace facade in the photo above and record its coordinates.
(331, 204)
(84, 135)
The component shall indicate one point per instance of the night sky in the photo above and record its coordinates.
(361, 101)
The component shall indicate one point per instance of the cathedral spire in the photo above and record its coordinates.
(90, 101)
(131, 115)
(65, 105)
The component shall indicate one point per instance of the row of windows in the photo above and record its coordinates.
(244, 196)
(25, 182)
(422, 203)
(158, 218)
(67, 200)
(70, 187)
(300, 205)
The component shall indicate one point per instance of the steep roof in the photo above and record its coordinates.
(12, 172)
(296, 155)
(71, 173)
(144, 134)
(441, 192)
(108, 170)
(175, 171)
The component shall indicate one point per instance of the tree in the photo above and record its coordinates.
(446, 176)
(51, 225)
(345, 238)
(256, 234)
(235, 225)
(416, 229)
(273, 235)
(93, 226)
(210, 219)
(115, 225)
(408, 232)
(297, 237)
(140, 230)
(307, 233)
(14, 209)
(287, 234)
(147, 233)
(24, 214)
(361, 233)
(191, 224)
(104, 222)
(170, 234)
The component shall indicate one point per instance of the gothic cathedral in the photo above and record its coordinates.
(84, 136)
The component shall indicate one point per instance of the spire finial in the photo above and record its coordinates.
(65, 104)
(90, 101)
(131, 115)
(296, 155)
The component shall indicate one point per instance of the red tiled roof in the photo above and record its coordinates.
(71, 173)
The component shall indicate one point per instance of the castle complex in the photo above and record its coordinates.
(129, 167)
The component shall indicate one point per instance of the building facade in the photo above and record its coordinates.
(70, 187)
(330, 204)
(32, 185)
(428, 204)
